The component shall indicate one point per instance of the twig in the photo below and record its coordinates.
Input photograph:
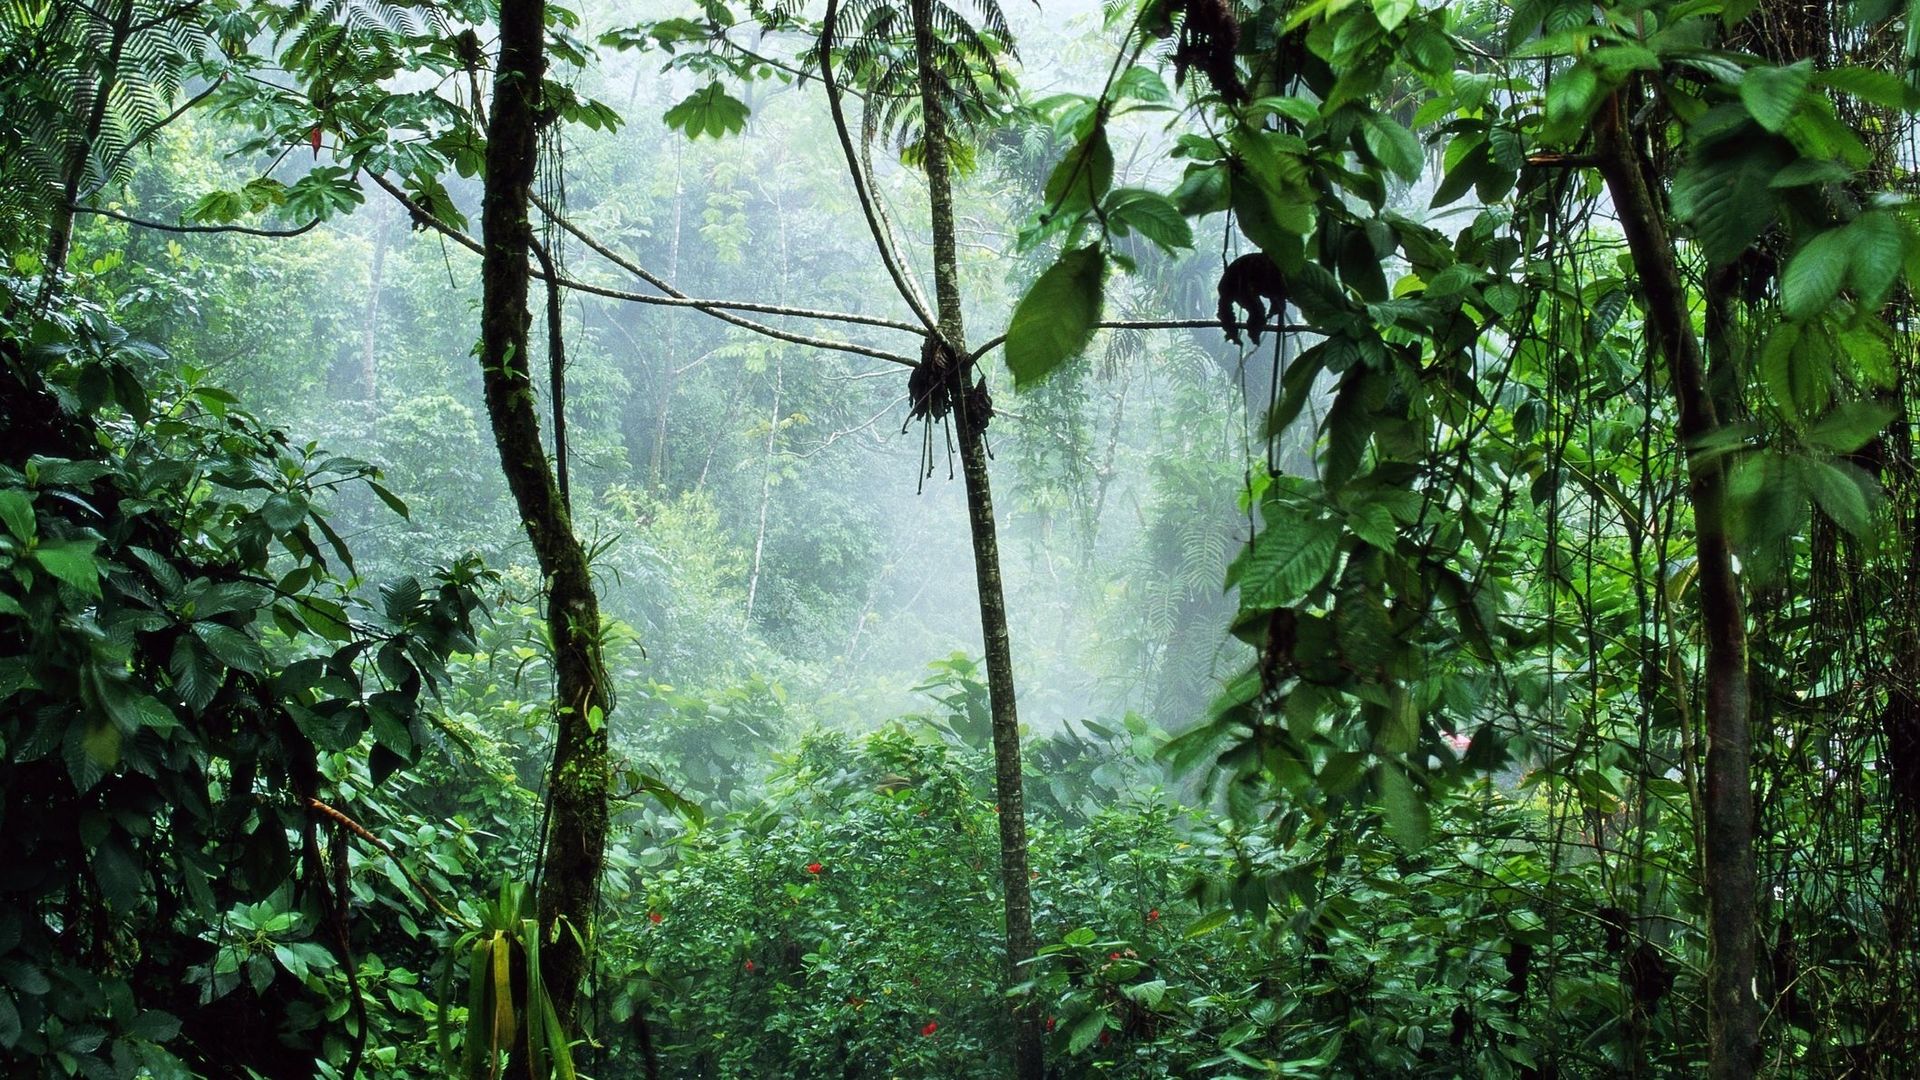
(360, 831)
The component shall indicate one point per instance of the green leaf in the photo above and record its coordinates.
(1150, 214)
(117, 873)
(1055, 320)
(1394, 146)
(1850, 426)
(1795, 369)
(1408, 820)
(1087, 1030)
(1571, 97)
(1814, 275)
(231, 647)
(283, 510)
(73, 562)
(394, 502)
(1876, 87)
(1285, 561)
(16, 511)
(1208, 923)
(1724, 194)
(1392, 13)
(10, 1029)
(1841, 492)
(1879, 248)
(1082, 177)
(1772, 94)
(709, 111)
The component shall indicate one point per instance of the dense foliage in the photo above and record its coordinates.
(1452, 520)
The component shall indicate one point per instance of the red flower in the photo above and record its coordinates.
(932, 1026)
(748, 965)
(1113, 956)
(654, 916)
(1154, 915)
(814, 868)
(1049, 1023)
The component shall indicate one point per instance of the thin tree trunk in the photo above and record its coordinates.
(657, 466)
(1732, 1019)
(773, 421)
(766, 497)
(578, 783)
(369, 368)
(1029, 1061)
(60, 232)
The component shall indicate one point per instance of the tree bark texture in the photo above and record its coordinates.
(579, 779)
(1733, 1028)
(1028, 1055)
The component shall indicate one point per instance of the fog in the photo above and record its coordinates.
(758, 513)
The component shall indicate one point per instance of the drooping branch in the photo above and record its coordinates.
(719, 309)
(1165, 324)
(162, 226)
(882, 240)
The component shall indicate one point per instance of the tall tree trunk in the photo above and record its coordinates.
(1732, 1020)
(60, 231)
(579, 779)
(369, 367)
(1028, 1057)
(766, 497)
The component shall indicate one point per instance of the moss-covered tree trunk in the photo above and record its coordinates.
(970, 428)
(1733, 1028)
(579, 779)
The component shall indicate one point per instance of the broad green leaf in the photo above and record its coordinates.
(1408, 820)
(231, 647)
(73, 562)
(1150, 214)
(1285, 561)
(394, 502)
(1571, 97)
(1841, 492)
(1723, 193)
(1797, 371)
(1055, 320)
(1814, 275)
(1082, 177)
(1772, 94)
(118, 874)
(709, 111)
(1878, 249)
(1208, 923)
(1142, 84)
(10, 1029)
(283, 510)
(1203, 190)
(1394, 146)
(1392, 13)
(16, 512)
(1876, 87)
(194, 677)
(1088, 1029)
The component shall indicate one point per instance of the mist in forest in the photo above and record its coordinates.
(761, 513)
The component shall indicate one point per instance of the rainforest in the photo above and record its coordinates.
(1035, 539)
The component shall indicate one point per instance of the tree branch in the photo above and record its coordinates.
(243, 230)
(1164, 324)
(717, 308)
